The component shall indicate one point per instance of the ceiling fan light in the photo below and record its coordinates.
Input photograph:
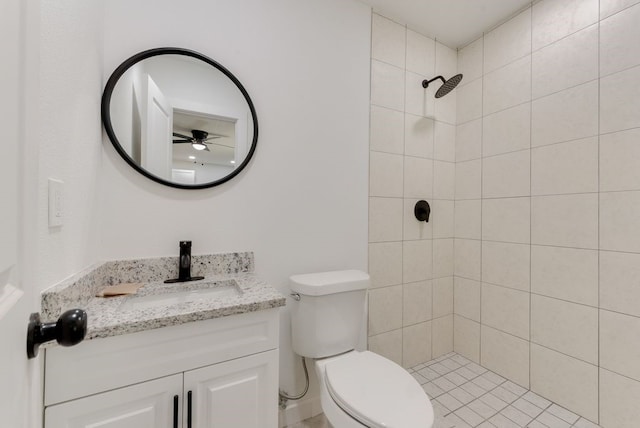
(199, 145)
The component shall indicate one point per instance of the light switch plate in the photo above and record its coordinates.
(56, 217)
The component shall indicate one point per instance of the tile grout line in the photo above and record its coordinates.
(598, 267)
(530, 197)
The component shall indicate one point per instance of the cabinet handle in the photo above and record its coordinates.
(189, 400)
(175, 411)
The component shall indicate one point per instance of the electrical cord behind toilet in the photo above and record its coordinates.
(283, 395)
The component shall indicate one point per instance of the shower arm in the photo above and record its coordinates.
(425, 82)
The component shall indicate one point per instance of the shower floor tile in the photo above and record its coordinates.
(466, 395)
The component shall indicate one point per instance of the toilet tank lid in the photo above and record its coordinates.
(340, 281)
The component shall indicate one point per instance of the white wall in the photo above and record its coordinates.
(301, 204)
(69, 140)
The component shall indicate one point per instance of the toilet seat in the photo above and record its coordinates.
(377, 392)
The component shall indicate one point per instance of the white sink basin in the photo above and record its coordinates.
(175, 294)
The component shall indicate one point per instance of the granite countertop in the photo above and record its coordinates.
(230, 287)
(113, 316)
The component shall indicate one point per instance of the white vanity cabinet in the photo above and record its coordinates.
(218, 373)
(145, 405)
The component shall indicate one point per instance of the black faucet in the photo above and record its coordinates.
(184, 265)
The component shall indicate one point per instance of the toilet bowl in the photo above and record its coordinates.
(364, 389)
(357, 388)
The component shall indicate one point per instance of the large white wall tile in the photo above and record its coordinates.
(442, 342)
(553, 20)
(507, 86)
(469, 101)
(445, 107)
(467, 258)
(385, 264)
(446, 61)
(385, 219)
(468, 220)
(609, 7)
(444, 180)
(508, 42)
(418, 177)
(466, 298)
(412, 228)
(469, 179)
(565, 273)
(567, 381)
(469, 141)
(470, 61)
(388, 40)
(466, 338)
(385, 309)
(442, 297)
(416, 260)
(418, 100)
(388, 344)
(507, 131)
(385, 174)
(417, 302)
(387, 85)
(619, 279)
(570, 167)
(505, 354)
(418, 136)
(565, 327)
(619, 225)
(387, 130)
(566, 220)
(506, 175)
(505, 309)
(619, 160)
(620, 101)
(619, 35)
(619, 397)
(568, 62)
(444, 146)
(506, 264)
(442, 258)
(421, 53)
(619, 344)
(506, 220)
(442, 215)
(416, 344)
(565, 115)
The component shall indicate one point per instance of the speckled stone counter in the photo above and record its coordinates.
(113, 316)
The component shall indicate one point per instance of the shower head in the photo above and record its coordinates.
(447, 85)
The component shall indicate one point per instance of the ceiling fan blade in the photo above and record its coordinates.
(212, 138)
(186, 137)
(206, 149)
(181, 141)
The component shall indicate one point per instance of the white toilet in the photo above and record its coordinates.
(357, 389)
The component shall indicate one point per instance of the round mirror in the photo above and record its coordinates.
(179, 118)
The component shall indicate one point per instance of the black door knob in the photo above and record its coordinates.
(69, 330)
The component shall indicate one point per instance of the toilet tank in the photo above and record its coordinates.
(327, 318)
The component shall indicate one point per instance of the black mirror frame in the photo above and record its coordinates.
(106, 116)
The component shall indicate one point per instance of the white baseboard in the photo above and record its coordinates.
(298, 411)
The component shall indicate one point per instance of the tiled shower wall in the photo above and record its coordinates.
(412, 157)
(547, 205)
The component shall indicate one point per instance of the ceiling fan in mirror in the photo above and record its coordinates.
(198, 140)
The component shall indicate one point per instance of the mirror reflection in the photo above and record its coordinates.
(180, 119)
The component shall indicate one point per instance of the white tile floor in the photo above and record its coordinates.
(466, 395)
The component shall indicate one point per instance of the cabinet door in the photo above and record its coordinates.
(240, 393)
(145, 405)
